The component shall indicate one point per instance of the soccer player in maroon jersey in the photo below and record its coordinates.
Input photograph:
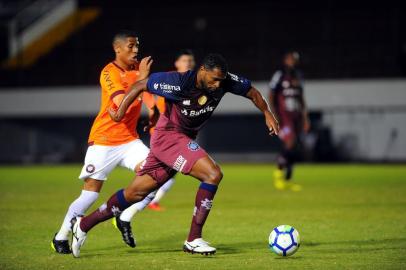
(191, 98)
(287, 99)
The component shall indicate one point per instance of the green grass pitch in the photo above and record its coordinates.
(348, 216)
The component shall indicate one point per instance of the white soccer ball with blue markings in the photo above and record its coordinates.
(284, 240)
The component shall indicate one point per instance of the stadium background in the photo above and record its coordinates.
(353, 57)
(349, 215)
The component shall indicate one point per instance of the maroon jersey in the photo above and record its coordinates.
(287, 88)
(187, 107)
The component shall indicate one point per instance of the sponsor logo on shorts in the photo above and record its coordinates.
(179, 163)
(90, 168)
(192, 145)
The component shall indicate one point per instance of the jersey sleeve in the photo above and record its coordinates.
(110, 81)
(165, 84)
(237, 85)
(275, 80)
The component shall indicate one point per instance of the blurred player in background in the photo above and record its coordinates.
(111, 144)
(191, 98)
(287, 98)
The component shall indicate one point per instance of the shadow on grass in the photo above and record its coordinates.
(232, 248)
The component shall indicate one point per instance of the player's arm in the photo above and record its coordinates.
(305, 115)
(273, 85)
(144, 69)
(153, 113)
(155, 84)
(259, 101)
(127, 99)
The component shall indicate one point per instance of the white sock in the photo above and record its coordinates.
(77, 208)
(130, 212)
(162, 190)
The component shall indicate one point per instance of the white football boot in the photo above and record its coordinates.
(198, 246)
(78, 237)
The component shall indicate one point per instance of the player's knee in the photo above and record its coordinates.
(135, 195)
(214, 176)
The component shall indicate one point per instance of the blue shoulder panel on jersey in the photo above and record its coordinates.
(166, 84)
(237, 85)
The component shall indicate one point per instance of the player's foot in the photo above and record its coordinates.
(125, 228)
(279, 180)
(60, 246)
(293, 187)
(155, 207)
(78, 237)
(198, 246)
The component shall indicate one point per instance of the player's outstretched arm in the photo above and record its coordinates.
(260, 102)
(131, 95)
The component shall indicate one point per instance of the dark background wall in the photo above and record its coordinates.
(337, 39)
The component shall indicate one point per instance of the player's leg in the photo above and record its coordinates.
(155, 205)
(140, 187)
(88, 196)
(285, 157)
(286, 162)
(99, 162)
(210, 175)
(132, 160)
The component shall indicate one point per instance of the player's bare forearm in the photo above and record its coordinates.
(305, 116)
(128, 99)
(260, 102)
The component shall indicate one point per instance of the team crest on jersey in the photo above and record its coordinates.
(90, 168)
(202, 100)
(192, 145)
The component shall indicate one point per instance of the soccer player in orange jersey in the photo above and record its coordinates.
(111, 144)
(184, 61)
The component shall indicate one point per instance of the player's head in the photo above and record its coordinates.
(185, 60)
(212, 71)
(291, 59)
(126, 45)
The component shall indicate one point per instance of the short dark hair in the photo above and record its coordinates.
(184, 52)
(215, 60)
(123, 34)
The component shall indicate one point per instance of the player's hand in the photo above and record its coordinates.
(272, 124)
(114, 115)
(306, 125)
(145, 67)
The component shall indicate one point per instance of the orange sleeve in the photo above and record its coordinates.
(148, 99)
(110, 81)
(160, 103)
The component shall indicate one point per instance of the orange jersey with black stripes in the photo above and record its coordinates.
(114, 81)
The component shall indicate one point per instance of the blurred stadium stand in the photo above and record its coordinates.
(337, 40)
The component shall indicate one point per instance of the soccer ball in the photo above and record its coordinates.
(284, 240)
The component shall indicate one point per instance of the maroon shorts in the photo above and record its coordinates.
(290, 129)
(171, 152)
